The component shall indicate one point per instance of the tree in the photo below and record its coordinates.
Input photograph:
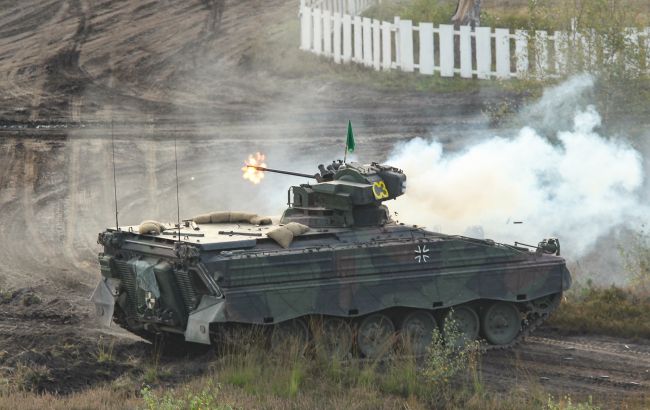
(468, 13)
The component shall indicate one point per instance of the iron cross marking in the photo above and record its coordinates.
(422, 254)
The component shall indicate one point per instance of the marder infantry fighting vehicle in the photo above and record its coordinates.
(335, 259)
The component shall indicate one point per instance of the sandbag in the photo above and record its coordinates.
(151, 228)
(231, 217)
(219, 217)
(202, 219)
(241, 216)
(284, 235)
(296, 228)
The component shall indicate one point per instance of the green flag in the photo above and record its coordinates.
(349, 143)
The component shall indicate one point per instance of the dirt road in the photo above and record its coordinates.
(160, 71)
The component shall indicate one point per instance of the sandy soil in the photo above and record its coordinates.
(159, 70)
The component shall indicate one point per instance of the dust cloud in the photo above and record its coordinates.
(569, 182)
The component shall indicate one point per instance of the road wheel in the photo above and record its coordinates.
(375, 336)
(416, 332)
(289, 336)
(466, 324)
(501, 322)
(333, 337)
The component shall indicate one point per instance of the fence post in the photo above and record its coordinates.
(387, 39)
(337, 38)
(466, 52)
(398, 55)
(521, 52)
(541, 53)
(483, 52)
(347, 38)
(318, 32)
(426, 48)
(560, 49)
(647, 49)
(367, 41)
(358, 41)
(305, 29)
(406, 45)
(446, 50)
(376, 44)
(327, 33)
(503, 52)
(631, 37)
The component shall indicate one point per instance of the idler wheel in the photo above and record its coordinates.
(466, 324)
(290, 335)
(417, 332)
(375, 336)
(501, 322)
(546, 304)
(334, 336)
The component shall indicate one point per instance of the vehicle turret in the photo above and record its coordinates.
(345, 195)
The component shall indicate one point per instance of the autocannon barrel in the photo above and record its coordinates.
(277, 171)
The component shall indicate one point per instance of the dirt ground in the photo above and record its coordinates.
(162, 70)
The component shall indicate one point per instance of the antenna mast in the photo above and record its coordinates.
(117, 223)
(178, 202)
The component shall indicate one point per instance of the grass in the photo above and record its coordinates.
(612, 311)
(31, 378)
(250, 375)
(528, 15)
(104, 351)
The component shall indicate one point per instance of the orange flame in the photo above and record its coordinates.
(252, 174)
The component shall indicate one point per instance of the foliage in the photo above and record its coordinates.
(637, 262)
(31, 377)
(433, 11)
(449, 355)
(5, 296)
(104, 350)
(607, 311)
(567, 404)
(548, 15)
(206, 399)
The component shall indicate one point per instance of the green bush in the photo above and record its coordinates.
(206, 399)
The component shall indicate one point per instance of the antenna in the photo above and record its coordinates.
(178, 202)
(117, 223)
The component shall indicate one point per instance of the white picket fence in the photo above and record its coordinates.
(483, 53)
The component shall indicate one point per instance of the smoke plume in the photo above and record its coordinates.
(576, 185)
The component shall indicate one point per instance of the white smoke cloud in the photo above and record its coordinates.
(577, 188)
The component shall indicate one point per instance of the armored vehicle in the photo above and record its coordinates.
(335, 261)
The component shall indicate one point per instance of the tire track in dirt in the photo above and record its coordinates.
(38, 91)
(616, 349)
(15, 84)
(577, 366)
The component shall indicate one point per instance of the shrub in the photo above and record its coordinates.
(448, 356)
(206, 399)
